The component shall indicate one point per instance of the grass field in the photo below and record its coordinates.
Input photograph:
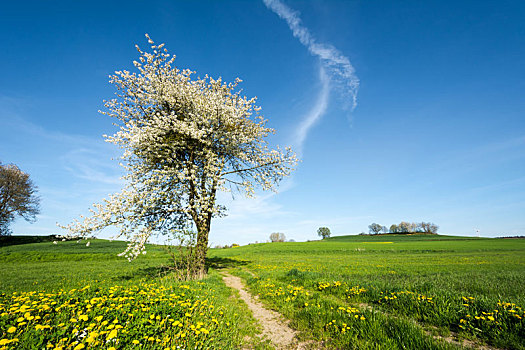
(70, 296)
(362, 292)
(393, 291)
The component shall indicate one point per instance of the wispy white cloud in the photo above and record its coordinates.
(15, 122)
(336, 71)
(86, 164)
(71, 170)
(498, 186)
(315, 113)
(84, 157)
(255, 218)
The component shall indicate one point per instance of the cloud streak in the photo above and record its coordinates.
(315, 113)
(336, 71)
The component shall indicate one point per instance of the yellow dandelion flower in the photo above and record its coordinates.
(40, 327)
(11, 330)
(79, 347)
(112, 334)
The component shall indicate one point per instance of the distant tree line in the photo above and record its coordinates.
(220, 246)
(404, 227)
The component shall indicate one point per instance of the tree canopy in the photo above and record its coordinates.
(277, 237)
(374, 228)
(183, 139)
(323, 232)
(18, 197)
(405, 227)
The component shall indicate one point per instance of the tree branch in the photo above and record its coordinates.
(252, 168)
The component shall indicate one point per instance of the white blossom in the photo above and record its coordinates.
(183, 139)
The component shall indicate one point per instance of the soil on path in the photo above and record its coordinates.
(277, 331)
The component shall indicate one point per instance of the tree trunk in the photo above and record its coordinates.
(200, 250)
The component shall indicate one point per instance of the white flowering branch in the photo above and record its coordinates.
(183, 139)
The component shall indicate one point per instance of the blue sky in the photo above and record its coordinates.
(437, 132)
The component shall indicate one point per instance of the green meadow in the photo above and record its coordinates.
(393, 291)
(350, 292)
(71, 296)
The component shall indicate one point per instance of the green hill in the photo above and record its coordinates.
(16, 240)
(398, 238)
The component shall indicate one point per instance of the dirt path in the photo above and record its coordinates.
(277, 331)
(284, 337)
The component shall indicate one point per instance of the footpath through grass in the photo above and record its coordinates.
(393, 291)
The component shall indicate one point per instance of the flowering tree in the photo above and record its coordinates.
(183, 139)
(277, 237)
